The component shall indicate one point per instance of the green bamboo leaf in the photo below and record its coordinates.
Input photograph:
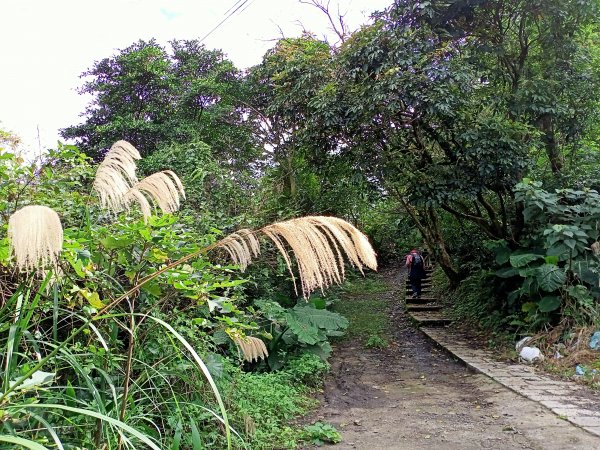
(204, 370)
(196, 440)
(177, 438)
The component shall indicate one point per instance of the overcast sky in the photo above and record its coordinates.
(47, 44)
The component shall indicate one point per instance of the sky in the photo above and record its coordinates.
(47, 44)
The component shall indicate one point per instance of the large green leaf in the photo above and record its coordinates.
(320, 318)
(311, 325)
(507, 272)
(306, 332)
(524, 259)
(549, 303)
(550, 277)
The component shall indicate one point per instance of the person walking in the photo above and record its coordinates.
(416, 272)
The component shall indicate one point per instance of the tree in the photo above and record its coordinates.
(152, 96)
(282, 87)
(445, 104)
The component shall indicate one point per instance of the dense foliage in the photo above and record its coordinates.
(467, 127)
(160, 365)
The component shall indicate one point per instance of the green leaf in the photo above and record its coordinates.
(523, 260)
(320, 318)
(112, 243)
(26, 443)
(119, 424)
(550, 277)
(502, 255)
(152, 288)
(549, 303)
(93, 299)
(507, 272)
(70, 395)
(311, 325)
(177, 437)
(196, 440)
(551, 260)
(319, 302)
(307, 333)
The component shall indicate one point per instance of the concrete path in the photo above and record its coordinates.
(567, 400)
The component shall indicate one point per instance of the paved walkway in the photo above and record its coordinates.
(568, 400)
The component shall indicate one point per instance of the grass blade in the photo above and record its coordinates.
(26, 443)
(86, 412)
(204, 370)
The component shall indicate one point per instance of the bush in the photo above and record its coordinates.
(308, 369)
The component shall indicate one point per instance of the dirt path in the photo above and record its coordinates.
(412, 395)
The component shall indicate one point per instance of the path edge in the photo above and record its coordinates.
(481, 361)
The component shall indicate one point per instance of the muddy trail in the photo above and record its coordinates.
(412, 395)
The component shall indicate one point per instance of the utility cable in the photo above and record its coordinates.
(236, 7)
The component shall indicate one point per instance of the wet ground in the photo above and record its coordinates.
(412, 395)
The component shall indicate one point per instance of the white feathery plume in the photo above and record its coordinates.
(318, 244)
(164, 188)
(36, 237)
(116, 175)
(133, 195)
(242, 246)
(252, 348)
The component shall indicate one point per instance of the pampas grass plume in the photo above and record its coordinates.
(252, 348)
(36, 237)
(163, 188)
(317, 243)
(116, 175)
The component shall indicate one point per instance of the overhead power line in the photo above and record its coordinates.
(229, 13)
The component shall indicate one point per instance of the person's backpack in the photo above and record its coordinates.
(417, 261)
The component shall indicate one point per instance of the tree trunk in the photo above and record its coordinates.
(545, 125)
(436, 244)
(427, 223)
(290, 176)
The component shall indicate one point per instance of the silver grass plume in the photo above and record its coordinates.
(36, 237)
(252, 348)
(242, 246)
(116, 175)
(318, 245)
(163, 188)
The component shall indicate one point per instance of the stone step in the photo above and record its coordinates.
(424, 307)
(430, 318)
(420, 301)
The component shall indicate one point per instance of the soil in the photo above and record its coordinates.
(413, 395)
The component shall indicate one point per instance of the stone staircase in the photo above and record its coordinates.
(425, 311)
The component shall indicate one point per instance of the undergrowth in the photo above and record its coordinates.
(474, 306)
(366, 312)
(482, 316)
(266, 404)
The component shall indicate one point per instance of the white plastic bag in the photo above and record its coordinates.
(531, 354)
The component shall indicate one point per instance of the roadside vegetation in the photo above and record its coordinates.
(467, 128)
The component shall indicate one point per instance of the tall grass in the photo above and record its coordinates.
(83, 374)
